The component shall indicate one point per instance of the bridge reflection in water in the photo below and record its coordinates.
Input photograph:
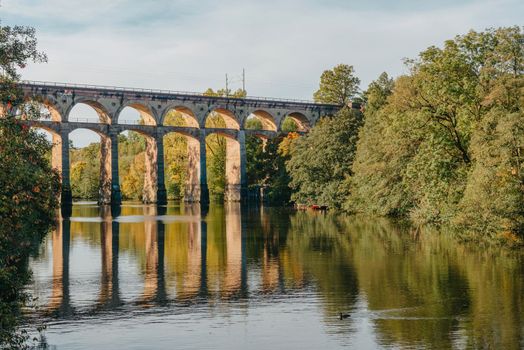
(402, 289)
(174, 251)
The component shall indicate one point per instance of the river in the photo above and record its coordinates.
(231, 277)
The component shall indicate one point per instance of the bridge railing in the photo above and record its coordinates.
(95, 120)
(85, 120)
(166, 92)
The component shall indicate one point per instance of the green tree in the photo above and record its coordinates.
(320, 163)
(278, 152)
(133, 182)
(266, 160)
(255, 155)
(380, 161)
(289, 125)
(85, 171)
(378, 92)
(239, 93)
(493, 201)
(338, 85)
(131, 160)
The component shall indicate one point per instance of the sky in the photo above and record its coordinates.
(284, 46)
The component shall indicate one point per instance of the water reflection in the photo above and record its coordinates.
(59, 302)
(403, 289)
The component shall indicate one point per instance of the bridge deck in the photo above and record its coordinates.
(98, 90)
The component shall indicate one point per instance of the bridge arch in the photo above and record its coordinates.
(301, 121)
(176, 111)
(49, 129)
(99, 129)
(146, 113)
(89, 111)
(48, 106)
(221, 118)
(267, 121)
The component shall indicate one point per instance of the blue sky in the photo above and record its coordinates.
(283, 45)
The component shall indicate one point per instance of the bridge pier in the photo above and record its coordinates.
(106, 159)
(154, 182)
(60, 157)
(161, 193)
(150, 176)
(196, 181)
(236, 178)
(116, 196)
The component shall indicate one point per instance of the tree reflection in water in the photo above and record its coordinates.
(415, 289)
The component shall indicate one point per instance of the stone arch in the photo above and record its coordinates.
(50, 104)
(267, 120)
(189, 116)
(229, 118)
(103, 115)
(302, 122)
(52, 128)
(147, 113)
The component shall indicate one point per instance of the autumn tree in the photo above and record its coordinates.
(320, 163)
(29, 187)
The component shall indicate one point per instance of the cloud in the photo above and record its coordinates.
(284, 45)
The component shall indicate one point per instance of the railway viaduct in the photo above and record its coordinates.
(154, 106)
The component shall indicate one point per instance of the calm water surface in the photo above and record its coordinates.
(268, 278)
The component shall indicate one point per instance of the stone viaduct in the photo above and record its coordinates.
(153, 106)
